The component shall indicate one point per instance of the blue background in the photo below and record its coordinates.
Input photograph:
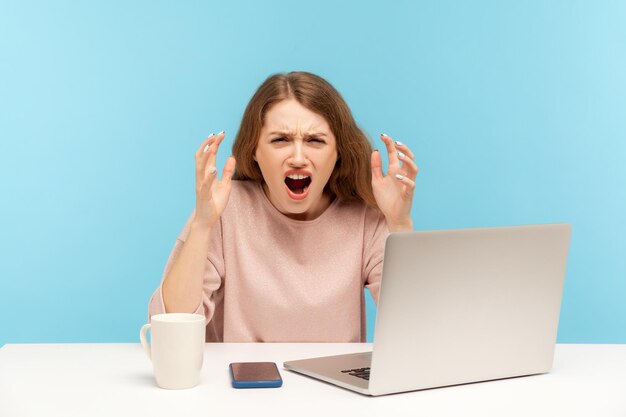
(516, 113)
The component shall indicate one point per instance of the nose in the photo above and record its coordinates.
(298, 157)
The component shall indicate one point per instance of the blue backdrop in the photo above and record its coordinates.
(515, 111)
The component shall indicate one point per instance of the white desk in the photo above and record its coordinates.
(116, 380)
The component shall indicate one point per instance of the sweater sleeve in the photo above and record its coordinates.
(212, 277)
(374, 236)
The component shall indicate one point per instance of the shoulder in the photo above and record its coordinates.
(371, 219)
(369, 215)
(375, 223)
(359, 216)
(373, 215)
(244, 190)
(245, 196)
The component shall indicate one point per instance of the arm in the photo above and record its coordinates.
(375, 234)
(182, 285)
(212, 275)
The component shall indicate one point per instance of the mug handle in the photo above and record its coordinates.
(144, 342)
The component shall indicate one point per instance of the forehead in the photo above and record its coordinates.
(292, 116)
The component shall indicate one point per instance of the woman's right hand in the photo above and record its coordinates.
(211, 193)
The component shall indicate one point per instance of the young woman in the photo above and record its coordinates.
(280, 249)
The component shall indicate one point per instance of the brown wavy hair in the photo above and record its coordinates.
(351, 179)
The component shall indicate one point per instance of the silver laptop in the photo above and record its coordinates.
(458, 306)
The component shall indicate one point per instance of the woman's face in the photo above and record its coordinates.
(297, 153)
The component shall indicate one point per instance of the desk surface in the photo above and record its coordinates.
(116, 380)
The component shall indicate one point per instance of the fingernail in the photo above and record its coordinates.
(400, 155)
(400, 177)
(375, 150)
(211, 135)
(220, 133)
(399, 143)
(385, 135)
(206, 149)
(213, 170)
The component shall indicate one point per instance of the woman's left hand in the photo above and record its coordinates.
(394, 191)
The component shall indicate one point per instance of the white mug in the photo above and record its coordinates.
(177, 348)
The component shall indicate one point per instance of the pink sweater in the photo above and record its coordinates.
(270, 278)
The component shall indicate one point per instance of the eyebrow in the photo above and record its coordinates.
(307, 135)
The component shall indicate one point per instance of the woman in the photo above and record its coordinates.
(280, 249)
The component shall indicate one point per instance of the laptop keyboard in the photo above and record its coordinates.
(359, 373)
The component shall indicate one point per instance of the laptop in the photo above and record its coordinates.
(456, 307)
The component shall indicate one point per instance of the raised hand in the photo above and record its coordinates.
(211, 193)
(394, 191)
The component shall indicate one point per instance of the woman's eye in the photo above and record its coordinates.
(278, 140)
(316, 140)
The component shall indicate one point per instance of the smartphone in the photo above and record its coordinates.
(255, 375)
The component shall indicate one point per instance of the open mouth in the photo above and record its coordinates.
(298, 183)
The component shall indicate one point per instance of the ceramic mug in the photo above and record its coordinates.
(176, 349)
